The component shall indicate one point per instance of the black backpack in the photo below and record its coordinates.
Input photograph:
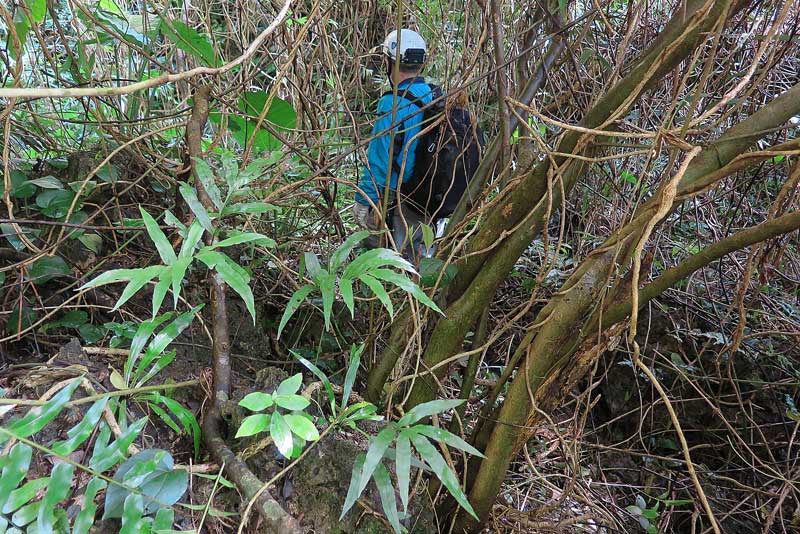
(446, 157)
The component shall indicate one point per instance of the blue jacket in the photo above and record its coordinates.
(373, 180)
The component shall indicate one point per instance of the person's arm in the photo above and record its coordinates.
(376, 170)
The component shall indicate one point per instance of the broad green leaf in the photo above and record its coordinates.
(352, 371)
(245, 237)
(38, 417)
(78, 434)
(297, 298)
(251, 208)
(55, 203)
(629, 177)
(290, 385)
(442, 471)
(292, 402)
(403, 466)
(172, 220)
(443, 436)
(15, 466)
(427, 409)
(57, 491)
(312, 265)
(301, 426)
(280, 113)
(23, 495)
(108, 456)
(340, 254)
(193, 236)
(85, 518)
(159, 239)
(253, 424)
(406, 285)
(19, 320)
(47, 182)
(427, 236)
(319, 374)
(256, 401)
(377, 448)
(206, 176)
(327, 286)
(346, 290)
(372, 259)
(353, 491)
(132, 512)
(190, 41)
(139, 278)
(386, 491)
(151, 472)
(46, 268)
(238, 283)
(377, 288)
(189, 195)
(431, 268)
(91, 241)
(26, 514)
(281, 434)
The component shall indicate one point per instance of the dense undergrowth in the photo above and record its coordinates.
(195, 339)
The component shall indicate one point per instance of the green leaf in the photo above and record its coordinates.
(292, 402)
(160, 291)
(47, 182)
(253, 424)
(189, 195)
(19, 320)
(139, 278)
(85, 518)
(281, 434)
(327, 286)
(319, 374)
(26, 514)
(23, 495)
(163, 521)
(132, 512)
(406, 285)
(427, 236)
(353, 491)
(312, 265)
(386, 491)
(290, 385)
(207, 178)
(246, 237)
(159, 239)
(256, 401)
(377, 288)
(105, 457)
(340, 254)
(302, 427)
(346, 290)
(91, 241)
(15, 466)
(377, 448)
(352, 371)
(38, 417)
(193, 236)
(297, 298)
(374, 258)
(430, 269)
(46, 268)
(238, 283)
(57, 491)
(78, 434)
(186, 417)
(629, 177)
(190, 41)
(143, 333)
(281, 113)
(442, 471)
(403, 466)
(251, 208)
(151, 472)
(427, 409)
(442, 435)
(55, 203)
(170, 332)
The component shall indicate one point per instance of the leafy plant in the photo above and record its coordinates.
(370, 268)
(148, 484)
(405, 433)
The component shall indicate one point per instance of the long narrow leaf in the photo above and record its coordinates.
(327, 286)
(427, 409)
(138, 280)
(405, 284)
(57, 491)
(117, 451)
(442, 471)
(38, 417)
(346, 290)
(353, 491)
(352, 371)
(143, 333)
(241, 285)
(388, 501)
(340, 254)
(161, 289)
(403, 466)
(192, 238)
(378, 257)
(78, 434)
(15, 467)
(245, 237)
(442, 435)
(189, 195)
(168, 334)
(176, 276)
(159, 239)
(85, 518)
(379, 291)
(374, 454)
(319, 374)
(23, 495)
(206, 176)
(297, 298)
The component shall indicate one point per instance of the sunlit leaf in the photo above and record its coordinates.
(281, 434)
(38, 417)
(301, 426)
(57, 491)
(253, 424)
(256, 401)
(294, 302)
(427, 409)
(160, 240)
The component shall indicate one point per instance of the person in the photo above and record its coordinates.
(408, 49)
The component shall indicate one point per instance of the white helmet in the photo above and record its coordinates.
(412, 47)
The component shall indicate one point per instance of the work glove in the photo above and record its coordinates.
(362, 214)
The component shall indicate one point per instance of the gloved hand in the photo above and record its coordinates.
(361, 213)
